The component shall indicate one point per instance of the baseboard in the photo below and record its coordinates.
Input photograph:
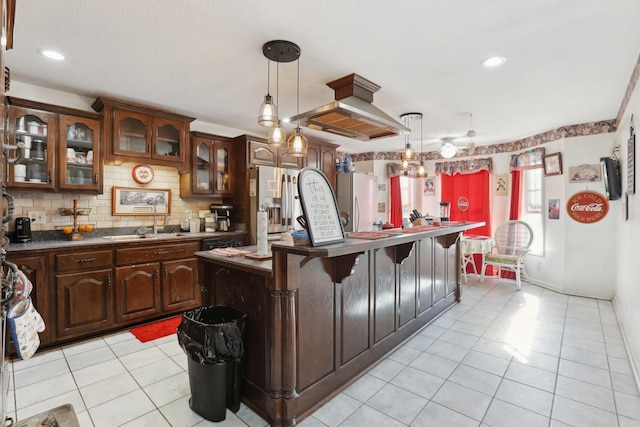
(627, 345)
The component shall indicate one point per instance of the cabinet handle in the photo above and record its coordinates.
(95, 178)
(108, 281)
(161, 252)
(85, 260)
(50, 176)
(157, 274)
(166, 273)
(149, 147)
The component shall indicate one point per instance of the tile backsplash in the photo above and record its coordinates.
(166, 178)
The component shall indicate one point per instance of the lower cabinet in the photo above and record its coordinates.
(84, 303)
(99, 289)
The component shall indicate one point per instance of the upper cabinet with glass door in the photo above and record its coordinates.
(79, 141)
(31, 165)
(133, 132)
(211, 174)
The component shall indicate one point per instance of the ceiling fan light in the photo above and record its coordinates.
(298, 144)
(448, 150)
(268, 115)
(278, 136)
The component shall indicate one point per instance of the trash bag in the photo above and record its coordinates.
(212, 334)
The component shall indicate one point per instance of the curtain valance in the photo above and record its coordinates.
(464, 166)
(530, 159)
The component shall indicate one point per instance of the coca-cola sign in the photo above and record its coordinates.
(587, 207)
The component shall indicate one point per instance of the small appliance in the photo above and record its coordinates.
(445, 208)
(23, 230)
(223, 216)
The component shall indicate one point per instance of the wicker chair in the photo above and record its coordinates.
(511, 244)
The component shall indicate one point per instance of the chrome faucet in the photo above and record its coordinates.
(165, 221)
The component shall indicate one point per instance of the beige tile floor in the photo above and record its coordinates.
(499, 358)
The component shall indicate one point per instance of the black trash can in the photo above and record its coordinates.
(213, 337)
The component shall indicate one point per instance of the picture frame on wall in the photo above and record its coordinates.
(140, 201)
(552, 164)
(585, 173)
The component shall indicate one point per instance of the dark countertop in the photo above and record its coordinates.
(240, 262)
(100, 241)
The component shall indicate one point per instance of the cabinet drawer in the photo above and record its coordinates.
(83, 260)
(153, 253)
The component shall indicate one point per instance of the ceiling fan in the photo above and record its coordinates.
(449, 146)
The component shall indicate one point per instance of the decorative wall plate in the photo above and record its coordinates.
(142, 174)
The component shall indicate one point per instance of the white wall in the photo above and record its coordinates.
(624, 271)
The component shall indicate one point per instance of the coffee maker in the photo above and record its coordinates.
(223, 216)
(23, 230)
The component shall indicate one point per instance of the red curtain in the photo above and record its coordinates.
(396, 201)
(475, 188)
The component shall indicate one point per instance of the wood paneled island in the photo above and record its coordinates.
(319, 317)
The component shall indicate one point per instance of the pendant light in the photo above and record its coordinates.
(298, 144)
(268, 115)
(406, 154)
(277, 135)
(422, 171)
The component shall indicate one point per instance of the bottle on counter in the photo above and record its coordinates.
(184, 225)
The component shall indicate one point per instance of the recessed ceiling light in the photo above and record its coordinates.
(51, 54)
(494, 61)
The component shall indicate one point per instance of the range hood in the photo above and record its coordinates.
(352, 114)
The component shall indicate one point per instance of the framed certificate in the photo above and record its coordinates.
(553, 164)
(320, 208)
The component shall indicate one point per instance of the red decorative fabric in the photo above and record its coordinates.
(396, 201)
(475, 188)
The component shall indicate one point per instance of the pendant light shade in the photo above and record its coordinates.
(298, 144)
(278, 137)
(422, 170)
(268, 115)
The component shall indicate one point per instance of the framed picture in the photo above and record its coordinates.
(140, 201)
(553, 164)
(585, 173)
(319, 208)
(429, 186)
(554, 208)
(502, 180)
(631, 163)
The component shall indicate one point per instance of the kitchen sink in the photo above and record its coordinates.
(136, 237)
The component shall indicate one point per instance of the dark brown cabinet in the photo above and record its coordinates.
(322, 156)
(212, 171)
(137, 292)
(59, 148)
(138, 133)
(179, 285)
(260, 153)
(35, 268)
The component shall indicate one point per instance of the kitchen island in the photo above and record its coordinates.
(319, 317)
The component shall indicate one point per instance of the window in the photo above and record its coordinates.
(532, 209)
(408, 191)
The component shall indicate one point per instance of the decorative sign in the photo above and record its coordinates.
(501, 184)
(587, 207)
(463, 204)
(320, 208)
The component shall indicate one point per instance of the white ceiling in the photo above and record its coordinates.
(569, 61)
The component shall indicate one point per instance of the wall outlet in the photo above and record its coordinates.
(40, 217)
(188, 213)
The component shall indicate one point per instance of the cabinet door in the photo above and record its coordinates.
(168, 140)
(222, 160)
(313, 156)
(34, 267)
(131, 134)
(180, 287)
(137, 292)
(328, 164)
(79, 142)
(261, 153)
(288, 161)
(202, 178)
(35, 131)
(84, 303)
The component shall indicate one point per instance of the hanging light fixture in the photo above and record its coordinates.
(277, 135)
(280, 51)
(406, 154)
(448, 149)
(298, 144)
(422, 171)
(268, 115)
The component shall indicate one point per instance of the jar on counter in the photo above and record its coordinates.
(209, 222)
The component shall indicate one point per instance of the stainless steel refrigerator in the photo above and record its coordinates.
(357, 196)
(277, 190)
